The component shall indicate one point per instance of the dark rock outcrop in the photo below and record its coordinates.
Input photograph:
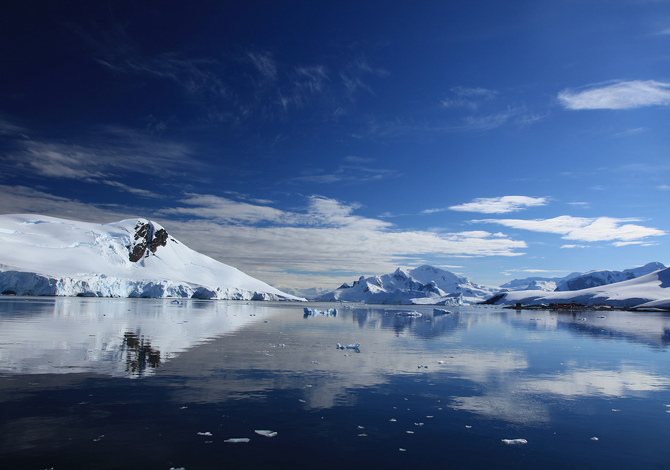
(146, 240)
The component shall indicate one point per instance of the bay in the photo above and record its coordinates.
(158, 384)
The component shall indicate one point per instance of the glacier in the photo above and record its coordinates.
(43, 255)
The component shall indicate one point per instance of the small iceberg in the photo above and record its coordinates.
(315, 312)
(441, 311)
(513, 442)
(237, 440)
(355, 346)
(408, 314)
(266, 432)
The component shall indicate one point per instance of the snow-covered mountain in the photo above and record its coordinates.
(576, 281)
(42, 255)
(651, 288)
(422, 285)
(603, 277)
(547, 284)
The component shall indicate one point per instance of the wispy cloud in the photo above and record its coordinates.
(25, 200)
(356, 72)
(618, 231)
(464, 97)
(499, 205)
(100, 157)
(352, 169)
(618, 95)
(264, 63)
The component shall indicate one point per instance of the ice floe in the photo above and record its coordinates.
(315, 312)
(512, 442)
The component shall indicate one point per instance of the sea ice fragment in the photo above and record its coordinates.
(408, 314)
(511, 442)
(266, 432)
(237, 440)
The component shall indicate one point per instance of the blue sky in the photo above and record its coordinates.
(308, 143)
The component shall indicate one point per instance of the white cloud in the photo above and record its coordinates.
(584, 229)
(326, 236)
(499, 205)
(620, 95)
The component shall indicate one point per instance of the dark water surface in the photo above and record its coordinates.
(156, 384)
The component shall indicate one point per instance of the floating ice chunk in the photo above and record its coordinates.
(237, 440)
(408, 314)
(594, 438)
(354, 346)
(339, 346)
(266, 432)
(314, 312)
(512, 442)
(441, 311)
(207, 433)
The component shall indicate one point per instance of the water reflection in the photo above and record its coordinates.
(118, 337)
(495, 363)
(139, 354)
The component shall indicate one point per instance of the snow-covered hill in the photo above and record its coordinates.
(422, 285)
(653, 287)
(42, 255)
(603, 277)
(576, 281)
(547, 284)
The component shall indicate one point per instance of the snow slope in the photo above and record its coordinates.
(653, 287)
(42, 255)
(422, 285)
(603, 277)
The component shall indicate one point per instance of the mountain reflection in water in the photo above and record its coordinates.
(206, 371)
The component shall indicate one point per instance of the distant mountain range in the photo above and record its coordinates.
(577, 281)
(42, 255)
(647, 291)
(430, 285)
(422, 285)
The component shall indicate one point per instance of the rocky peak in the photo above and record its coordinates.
(146, 240)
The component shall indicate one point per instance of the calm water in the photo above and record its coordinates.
(152, 384)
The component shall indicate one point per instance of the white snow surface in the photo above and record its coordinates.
(42, 255)
(423, 285)
(604, 276)
(653, 287)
